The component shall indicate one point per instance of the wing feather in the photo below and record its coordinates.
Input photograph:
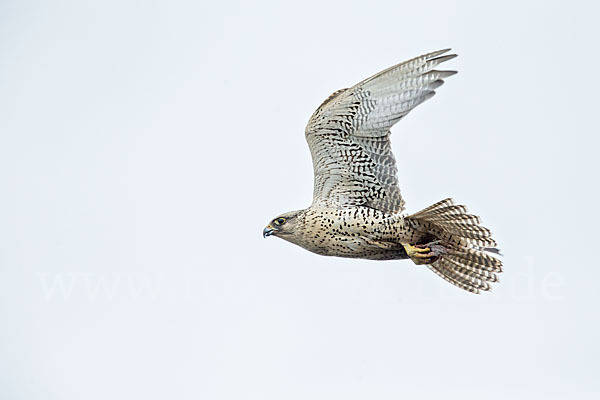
(348, 135)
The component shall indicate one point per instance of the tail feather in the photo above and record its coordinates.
(473, 271)
(449, 211)
(450, 275)
(476, 258)
(466, 219)
(438, 205)
(459, 273)
(471, 237)
(463, 244)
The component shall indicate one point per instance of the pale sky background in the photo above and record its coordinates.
(144, 145)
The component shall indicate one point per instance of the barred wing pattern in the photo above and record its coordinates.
(348, 135)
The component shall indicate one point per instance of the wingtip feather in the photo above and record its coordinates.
(442, 59)
(438, 53)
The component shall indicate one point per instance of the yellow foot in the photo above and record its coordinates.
(420, 254)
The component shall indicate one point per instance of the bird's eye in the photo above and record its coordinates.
(280, 221)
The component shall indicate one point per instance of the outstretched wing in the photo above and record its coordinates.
(348, 135)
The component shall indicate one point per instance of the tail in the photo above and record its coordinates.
(462, 244)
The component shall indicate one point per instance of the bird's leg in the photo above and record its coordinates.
(420, 254)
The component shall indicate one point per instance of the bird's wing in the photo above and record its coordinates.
(348, 135)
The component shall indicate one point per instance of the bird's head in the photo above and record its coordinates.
(286, 226)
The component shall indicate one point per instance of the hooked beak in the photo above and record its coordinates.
(268, 231)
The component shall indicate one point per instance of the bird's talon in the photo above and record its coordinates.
(420, 254)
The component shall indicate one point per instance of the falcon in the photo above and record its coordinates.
(357, 209)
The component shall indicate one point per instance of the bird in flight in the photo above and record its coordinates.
(357, 208)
